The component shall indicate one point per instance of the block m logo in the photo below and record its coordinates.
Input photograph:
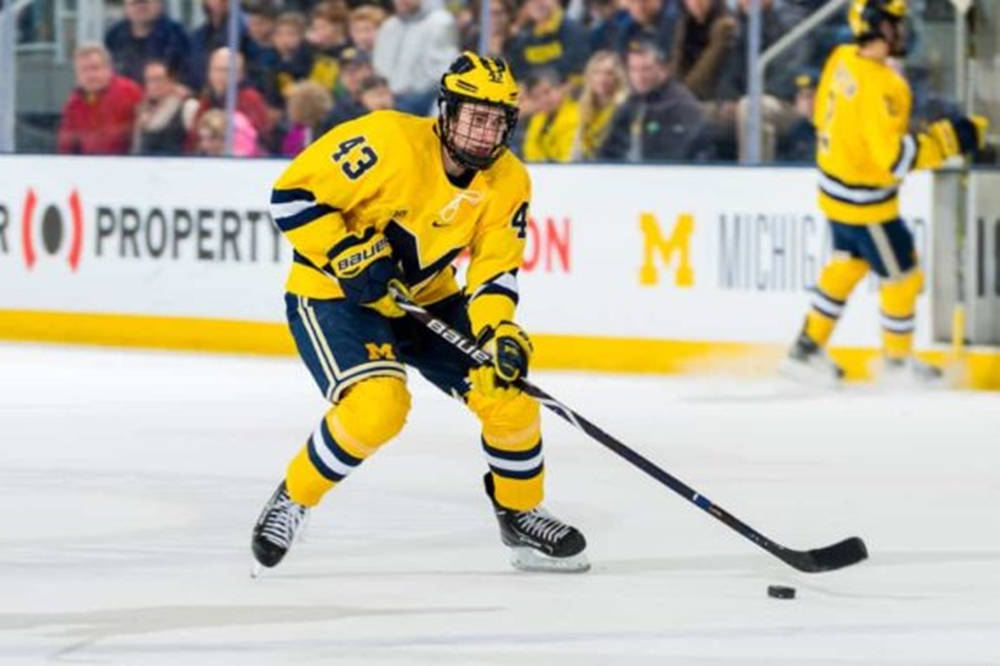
(678, 243)
(379, 352)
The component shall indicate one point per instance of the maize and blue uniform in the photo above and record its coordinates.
(384, 172)
(864, 150)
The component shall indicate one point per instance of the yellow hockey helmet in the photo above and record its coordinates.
(865, 18)
(479, 80)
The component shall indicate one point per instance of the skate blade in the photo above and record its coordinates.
(529, 559)
(808, 374)
(910, 381)
(256, 569)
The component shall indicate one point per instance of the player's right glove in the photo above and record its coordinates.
(511, 349)
(364, 267)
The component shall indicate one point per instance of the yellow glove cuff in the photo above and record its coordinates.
(489, 310)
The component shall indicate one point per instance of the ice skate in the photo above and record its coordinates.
(911, 372)
(279, 524)
(538, 540)
(809, 363)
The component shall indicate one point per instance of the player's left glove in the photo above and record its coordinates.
(959, 135)
(511, 350)
(364, 267)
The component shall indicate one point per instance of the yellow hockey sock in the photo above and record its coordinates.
(370, 414)
(899, 302)
(512, 442)
(835, 284)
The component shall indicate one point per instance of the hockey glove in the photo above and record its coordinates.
(959, 135)
(511, 349)
(364, 267)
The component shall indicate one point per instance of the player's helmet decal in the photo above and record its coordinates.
(478, 80)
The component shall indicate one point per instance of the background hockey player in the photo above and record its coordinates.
(391, 199)
(864, 150)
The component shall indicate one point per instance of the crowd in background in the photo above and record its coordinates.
(607, 80)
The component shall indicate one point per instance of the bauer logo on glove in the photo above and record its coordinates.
(353, 260)
(365, 269)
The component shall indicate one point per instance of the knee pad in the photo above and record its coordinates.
(510, 423)
(838, 278)
(899, 297)
(372, 412)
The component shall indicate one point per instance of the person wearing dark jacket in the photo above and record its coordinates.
(660, 120)
(159, 122)
(146, 34)
(355, 68)
(650, 21)
(776, 20)
(213, 35)
(293, 59)
(704, 43)
(548, 40)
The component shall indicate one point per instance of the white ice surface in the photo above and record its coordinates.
(129, 482)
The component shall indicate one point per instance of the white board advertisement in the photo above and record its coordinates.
(682, 253)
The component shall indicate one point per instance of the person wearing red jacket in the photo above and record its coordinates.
(100, 113)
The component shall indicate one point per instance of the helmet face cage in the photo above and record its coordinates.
(450, 104)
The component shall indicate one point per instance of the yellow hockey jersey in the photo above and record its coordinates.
(385, 170)
(863, 148)
(862, 114)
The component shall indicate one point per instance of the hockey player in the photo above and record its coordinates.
(390, 200)
(864, 151)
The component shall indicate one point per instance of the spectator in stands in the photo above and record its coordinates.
(327, 35)
(355, 67)
(100, 113)
(249, 101)
(777, 110)
(295, 58)
(797, 143)
(552, 129)
(376, 95)
(362, 26)
(213, 35)
(660, 119)
(308, 103)
(776, 20)
(413, 48)
(605, 88)
(210, 135)
(547, 39)
(605, 24)
(649, 21)
(145, 34)
(705, 40)
(261, 17)
(159, 123)
(501, 26)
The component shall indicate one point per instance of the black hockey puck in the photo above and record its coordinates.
(780, 592)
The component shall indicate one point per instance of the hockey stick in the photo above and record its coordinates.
(842, 554)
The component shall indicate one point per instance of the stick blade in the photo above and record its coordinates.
(829, 558)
